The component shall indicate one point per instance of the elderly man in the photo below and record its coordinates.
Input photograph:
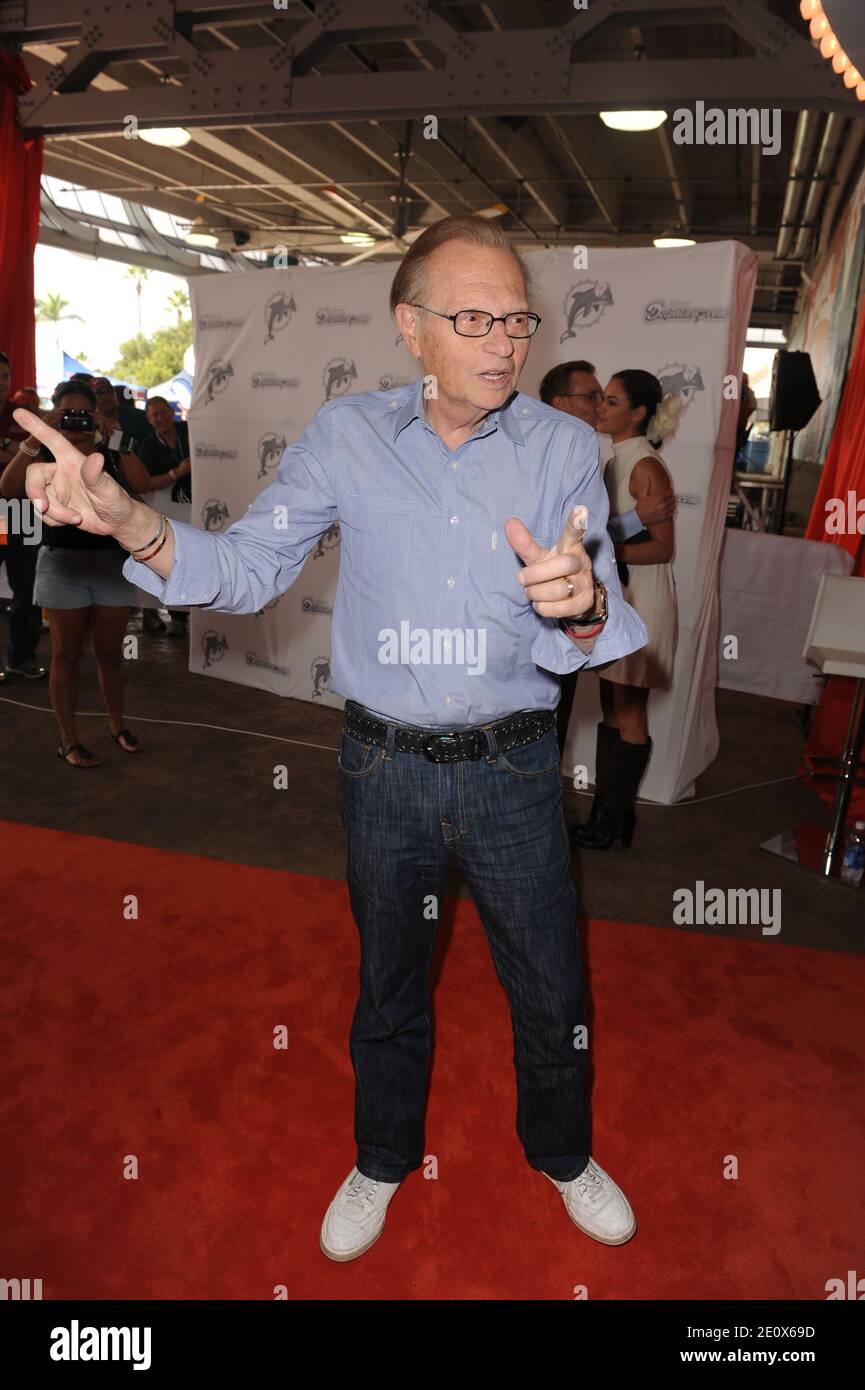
(467, 585)
(574, 388)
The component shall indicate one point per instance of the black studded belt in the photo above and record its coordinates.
(455, 745)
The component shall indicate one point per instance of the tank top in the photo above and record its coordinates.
(72, 537)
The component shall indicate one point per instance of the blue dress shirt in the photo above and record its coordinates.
(430, 623)
(623, 527)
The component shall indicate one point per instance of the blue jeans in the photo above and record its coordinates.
(502, 817)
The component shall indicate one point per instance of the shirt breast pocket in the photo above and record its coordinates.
(377, 531)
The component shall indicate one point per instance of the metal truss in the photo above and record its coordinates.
(497, 72)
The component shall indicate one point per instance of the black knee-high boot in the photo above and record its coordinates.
(607, 738)
(617, 817)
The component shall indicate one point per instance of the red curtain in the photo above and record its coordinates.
(20, 174)
(843, 474)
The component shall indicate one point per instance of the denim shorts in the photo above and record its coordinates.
(67, 578)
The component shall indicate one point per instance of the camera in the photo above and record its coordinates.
(77, 421)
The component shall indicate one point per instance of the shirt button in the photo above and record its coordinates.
(453, 463)
(455, 521)
(451, 582)
(448, 700)
(394, 404)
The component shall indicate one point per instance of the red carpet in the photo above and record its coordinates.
(154, 1038)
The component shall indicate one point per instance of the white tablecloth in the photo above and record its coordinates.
(768, 587)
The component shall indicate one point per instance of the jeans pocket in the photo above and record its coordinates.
(532, 759)
(356, 758)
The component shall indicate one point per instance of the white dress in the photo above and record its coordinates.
(651, 589)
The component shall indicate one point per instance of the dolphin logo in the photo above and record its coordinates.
(588, 299)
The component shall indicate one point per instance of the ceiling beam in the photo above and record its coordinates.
(486, 73)
(253, 93)
(579, 168)
(84, 245)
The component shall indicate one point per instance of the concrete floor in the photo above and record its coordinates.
(204, 785)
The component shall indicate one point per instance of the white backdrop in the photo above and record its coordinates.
(272, 346)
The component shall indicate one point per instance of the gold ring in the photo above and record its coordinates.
(570, 584)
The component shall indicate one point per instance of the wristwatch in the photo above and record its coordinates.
(597, 617)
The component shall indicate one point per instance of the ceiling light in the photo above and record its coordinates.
(357, 238)
(170, 136)
(830, 48)
(664, 243)
(201, 239)
(633, 120)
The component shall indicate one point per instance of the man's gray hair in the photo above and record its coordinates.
(409, 283)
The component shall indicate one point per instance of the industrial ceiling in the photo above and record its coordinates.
(309, 122)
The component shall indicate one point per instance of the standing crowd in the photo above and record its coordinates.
(72, 576)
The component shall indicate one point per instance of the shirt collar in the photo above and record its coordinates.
(505, 417)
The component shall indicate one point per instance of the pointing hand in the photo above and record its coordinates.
(547, 571)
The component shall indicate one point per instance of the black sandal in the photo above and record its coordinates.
(76, 748)
(130, 738)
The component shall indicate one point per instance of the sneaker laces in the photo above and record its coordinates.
(593, 1187)
(360, 1194)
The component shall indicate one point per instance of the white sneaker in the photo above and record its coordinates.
(355, 1218)
(597, 1205)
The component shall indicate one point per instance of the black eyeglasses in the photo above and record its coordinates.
(476, 323)
(590, 395)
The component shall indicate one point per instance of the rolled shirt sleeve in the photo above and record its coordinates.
(624, 630)
(259, 556)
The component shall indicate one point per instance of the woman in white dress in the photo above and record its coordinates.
(629, 414)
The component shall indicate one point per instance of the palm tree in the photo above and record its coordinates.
(139, 276)
(178, 300)
(50, 310)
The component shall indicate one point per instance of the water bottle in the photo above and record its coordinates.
(853, 864)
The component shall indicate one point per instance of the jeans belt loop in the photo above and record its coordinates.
(492, 747)
(389, 743)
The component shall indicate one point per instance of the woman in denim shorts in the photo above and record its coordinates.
(79, 581)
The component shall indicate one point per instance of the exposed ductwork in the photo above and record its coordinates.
(800, 160)
(806, 238)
